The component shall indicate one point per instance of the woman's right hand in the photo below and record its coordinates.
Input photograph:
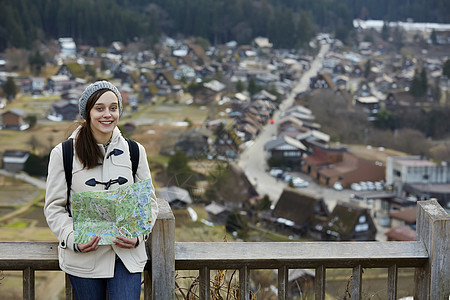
(92, 245)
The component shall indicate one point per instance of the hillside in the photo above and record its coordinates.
(287, 24)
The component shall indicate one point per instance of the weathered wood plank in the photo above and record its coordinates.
(162, 253)
(244, 283)
(297, 255)
(357, 282)
(28, 283)
(283, 283)
(68, 289)
(392, 282)
(20, 255)
(433, 229)
(319, 283)
(204, 283)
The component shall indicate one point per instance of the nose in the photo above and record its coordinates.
(107, 113)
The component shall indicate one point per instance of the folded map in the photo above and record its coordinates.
(124, 212)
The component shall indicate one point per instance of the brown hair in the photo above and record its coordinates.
(86, 146)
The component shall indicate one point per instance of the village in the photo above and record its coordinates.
(222, 106)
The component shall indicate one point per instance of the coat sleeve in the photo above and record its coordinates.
(143, 173)
(55, 198)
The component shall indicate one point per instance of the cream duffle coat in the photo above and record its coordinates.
(99, 263)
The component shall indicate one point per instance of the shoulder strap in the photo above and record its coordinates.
(134, 155)
(67, 151)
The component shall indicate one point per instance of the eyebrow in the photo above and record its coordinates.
(103, 104)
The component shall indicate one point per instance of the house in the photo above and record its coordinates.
(194, 142)
(264, 95)
(398, 98)
(14, 119)
(291, 123)
(68, 47)
(64, 110)
(261, 43)
(295, 212)
(320, 156)
(286, 151)
(197, 54)
(72, 70)
(348, 222)
(370, 105)
(322, 81)
(236, 191)
(59, 83)
(217, 214)
(352, 168)
(403, 217)
(37, 85)
(14, 160)
(177, 197)
(417, 178)
(213, 91)
(313, 137)
(401, 233)
(166, 83)
(227, 143)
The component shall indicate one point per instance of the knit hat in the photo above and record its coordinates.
(92, 88)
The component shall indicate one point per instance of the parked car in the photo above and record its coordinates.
(356, 187)
(299, 183)
(287, 178)
(275, 172)
(338, 186)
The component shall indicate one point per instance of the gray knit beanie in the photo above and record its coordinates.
(92, 88)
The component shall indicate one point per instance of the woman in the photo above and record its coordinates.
(100, 152)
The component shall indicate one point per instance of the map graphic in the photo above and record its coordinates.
(125, 212)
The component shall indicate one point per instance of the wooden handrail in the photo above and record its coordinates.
(428, 255)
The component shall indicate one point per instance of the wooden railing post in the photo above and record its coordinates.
(161, 253)
(433, 229)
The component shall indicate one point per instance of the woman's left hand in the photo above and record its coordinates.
(125, 243)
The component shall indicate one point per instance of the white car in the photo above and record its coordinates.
(275, 172)
(356, 187)
(299, 183)
(338, 186)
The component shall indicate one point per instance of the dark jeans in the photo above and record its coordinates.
(123, 286)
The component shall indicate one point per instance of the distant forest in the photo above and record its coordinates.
(287, 23)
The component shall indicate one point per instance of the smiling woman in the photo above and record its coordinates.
(101, 155)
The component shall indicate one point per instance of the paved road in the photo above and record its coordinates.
(253, 160)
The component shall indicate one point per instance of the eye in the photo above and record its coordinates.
(98, 108)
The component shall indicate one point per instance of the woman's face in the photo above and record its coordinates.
(104, 116)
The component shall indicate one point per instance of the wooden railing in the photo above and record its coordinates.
(428, 255)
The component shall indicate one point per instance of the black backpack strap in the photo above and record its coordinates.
(67, 151)
(134, 155)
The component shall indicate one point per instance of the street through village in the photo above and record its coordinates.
(254, 162)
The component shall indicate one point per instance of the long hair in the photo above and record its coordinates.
(86, 147)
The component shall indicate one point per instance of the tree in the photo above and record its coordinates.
(419, 84)
(10, 88)
(367, 68)
(446, 68)
(385, 32)
(252, 86)
(433, 37)
(385, 120)
(36, 165)
(265, 203)
(180, 172)
(36, 62)
(240, 86)
(236, 222)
